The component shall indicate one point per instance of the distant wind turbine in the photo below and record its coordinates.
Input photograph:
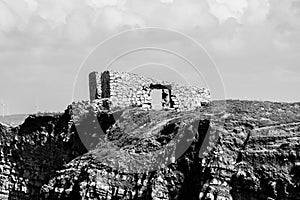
(3, 107)
(37, 106)
(7, 111)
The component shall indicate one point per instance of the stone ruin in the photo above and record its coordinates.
(122, 89)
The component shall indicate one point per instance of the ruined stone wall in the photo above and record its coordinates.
(127, 89)
(95, 86)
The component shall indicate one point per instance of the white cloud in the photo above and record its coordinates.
(56, 11)
(166, 1)
(103, 3)
(58, 34)
(8, 19)
(32, 4)
(112, 19)
(257, 11)
(56, 19)
(225, 9)
(244, 11)
(81, 22)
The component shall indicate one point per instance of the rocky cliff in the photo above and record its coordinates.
(249, 152)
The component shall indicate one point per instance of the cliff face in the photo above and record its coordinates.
(31, 154)
(249, 152)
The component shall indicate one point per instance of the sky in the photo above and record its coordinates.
(44, 46)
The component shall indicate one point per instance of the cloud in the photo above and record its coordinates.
(241, 35)
(224, 9)
(111, 16)
(166, 1)
(226, 27)
(113, 19)
(103, 3)
(8, 19)
(256, 12)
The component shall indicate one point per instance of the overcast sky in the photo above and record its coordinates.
(255, 44)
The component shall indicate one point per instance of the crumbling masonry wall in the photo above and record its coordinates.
(123, 89)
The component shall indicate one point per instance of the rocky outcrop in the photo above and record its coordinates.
(249, 152)
(31, 153)
(95, 175)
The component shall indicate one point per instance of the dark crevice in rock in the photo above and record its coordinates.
(189, 164)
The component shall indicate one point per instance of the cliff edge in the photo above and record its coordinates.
(249, 152)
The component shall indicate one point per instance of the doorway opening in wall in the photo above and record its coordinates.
(156, 96)
(161, 96)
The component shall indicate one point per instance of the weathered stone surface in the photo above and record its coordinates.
(131, 90)
(31, 153)
(256, 155)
